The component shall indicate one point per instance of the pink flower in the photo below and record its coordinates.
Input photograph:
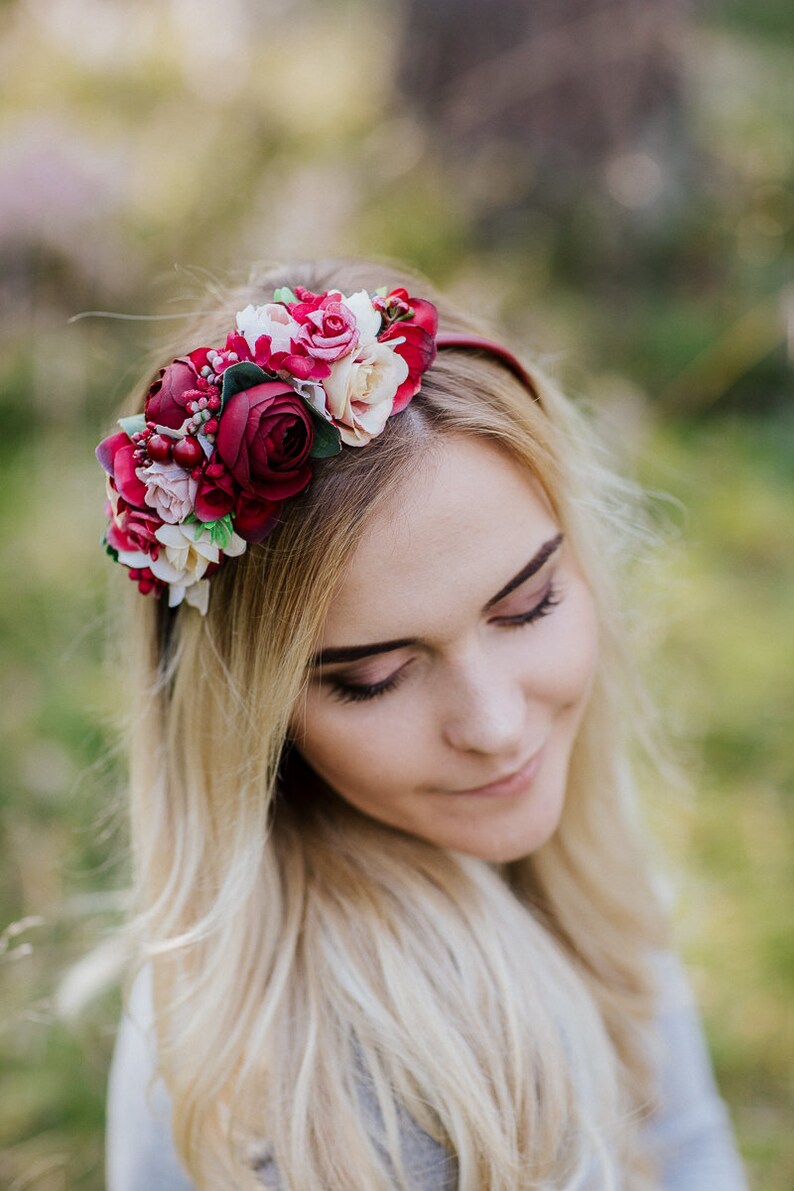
(329, 332)
(170, 490)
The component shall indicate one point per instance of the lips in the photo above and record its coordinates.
(512, 783)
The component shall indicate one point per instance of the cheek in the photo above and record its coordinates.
(570, 652)
(353, 753)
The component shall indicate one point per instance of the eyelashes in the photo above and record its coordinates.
(348, 693)
(357, 693)
(551, 599)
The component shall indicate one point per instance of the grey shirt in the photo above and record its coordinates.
(691, 1135)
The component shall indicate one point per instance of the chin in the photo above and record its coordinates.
(511, 837)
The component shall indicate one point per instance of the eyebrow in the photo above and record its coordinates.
(354, 653)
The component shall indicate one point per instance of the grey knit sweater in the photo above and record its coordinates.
(691, 1136)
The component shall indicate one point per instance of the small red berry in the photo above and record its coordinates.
(214, 403)
(211, 427)
(187, 453)
(159, 448)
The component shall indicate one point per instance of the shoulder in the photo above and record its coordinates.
(690, 1135)
(139, 1151)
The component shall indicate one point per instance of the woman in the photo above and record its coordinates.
(395, 926)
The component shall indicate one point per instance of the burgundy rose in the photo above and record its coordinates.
(419, 346)
(254, 518)
(175, 386)
(329, 332)
(217, 492)
(264, 438)
(116, 454)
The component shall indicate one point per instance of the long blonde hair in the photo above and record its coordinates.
(301, 951)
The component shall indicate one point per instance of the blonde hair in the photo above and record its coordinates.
(301, 951)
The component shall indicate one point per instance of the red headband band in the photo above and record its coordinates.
(477, 343)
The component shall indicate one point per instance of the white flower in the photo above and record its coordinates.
(170, 490)
(271, 319)
(368, 319)
(188, 552)
(312, 392)
(361, 388)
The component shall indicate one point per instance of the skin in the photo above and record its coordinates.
(476, 696)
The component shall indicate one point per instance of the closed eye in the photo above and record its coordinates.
(348, 692)
(551, 599)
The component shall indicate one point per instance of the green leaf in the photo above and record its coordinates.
(219, 532)
(135, 424)
(241, 376)
(327, 440)
(284, 294)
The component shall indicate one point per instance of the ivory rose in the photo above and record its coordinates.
(170, 490)
(360, 391)
(368, 319)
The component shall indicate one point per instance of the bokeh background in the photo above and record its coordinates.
(611, 182)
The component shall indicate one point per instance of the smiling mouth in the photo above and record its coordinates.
(512, 784)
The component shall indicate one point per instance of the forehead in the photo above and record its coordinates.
(448, 538)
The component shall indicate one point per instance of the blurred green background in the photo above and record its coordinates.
(612, 183)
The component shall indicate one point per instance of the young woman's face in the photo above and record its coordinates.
(457, 661)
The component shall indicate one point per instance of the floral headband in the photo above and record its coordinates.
(227, 434)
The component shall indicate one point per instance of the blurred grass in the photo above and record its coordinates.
(163, 152)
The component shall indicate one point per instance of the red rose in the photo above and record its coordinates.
(419, 346)
(133, 529)
(176, 385)
(117, 456)
(216, 494)
(264, 438)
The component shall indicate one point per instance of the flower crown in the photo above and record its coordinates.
(227, 435)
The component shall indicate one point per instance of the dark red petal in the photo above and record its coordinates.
(231, 433)
(255, 519)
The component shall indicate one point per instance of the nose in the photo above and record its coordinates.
(484, 709)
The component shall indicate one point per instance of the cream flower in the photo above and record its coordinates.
(271, 319)
(189, 550)
(360, 391)
(368, 319)
(170, 490)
